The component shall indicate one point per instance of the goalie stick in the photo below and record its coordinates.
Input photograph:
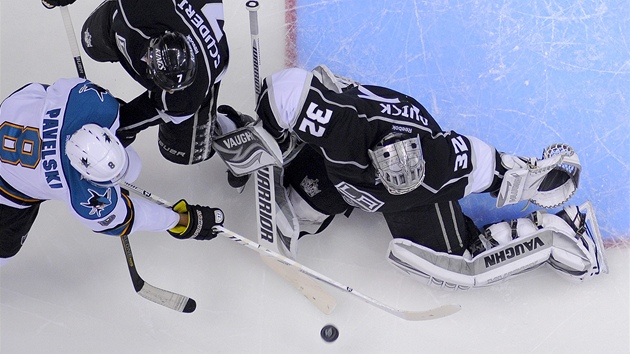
(434, 313)
(296, 267)
(163, 297)
(266, 199)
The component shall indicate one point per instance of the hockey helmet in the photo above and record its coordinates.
(399, 163)
(171, 61)
(98, 155)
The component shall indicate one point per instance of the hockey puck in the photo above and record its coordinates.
(329, 333)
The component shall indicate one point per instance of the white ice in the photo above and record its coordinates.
(69, 291)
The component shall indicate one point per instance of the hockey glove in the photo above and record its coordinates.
(201, 219)
(239, 119)
(51, 4)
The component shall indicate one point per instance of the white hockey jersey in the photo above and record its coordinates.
(35, 123)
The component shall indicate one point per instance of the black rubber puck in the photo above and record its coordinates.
(329, 333)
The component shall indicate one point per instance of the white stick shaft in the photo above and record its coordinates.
(72, 40)
(438, 312)
(441, 311)
(148, 195)
(252, 7)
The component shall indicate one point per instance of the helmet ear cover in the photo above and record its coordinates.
(399, 163)
(171, 61)
(98, 155)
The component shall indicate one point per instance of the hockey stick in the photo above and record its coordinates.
(74, 47)
(298, 268)
(266, 198)
(434, 313)
(163, 297)
(252, 7)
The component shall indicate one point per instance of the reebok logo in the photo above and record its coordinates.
(514, 251)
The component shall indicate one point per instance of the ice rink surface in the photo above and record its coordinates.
(69, 291)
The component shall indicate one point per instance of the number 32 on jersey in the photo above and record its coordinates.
(315, 121)
(461, 153)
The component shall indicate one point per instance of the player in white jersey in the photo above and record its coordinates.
(57, 143)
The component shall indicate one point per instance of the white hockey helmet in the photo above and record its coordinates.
(399, 162)
(98, 155)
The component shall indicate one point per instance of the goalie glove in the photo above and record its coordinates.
(51, 4)
(548, 182)
(201, 219)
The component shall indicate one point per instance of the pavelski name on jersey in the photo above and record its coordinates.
(49, 148)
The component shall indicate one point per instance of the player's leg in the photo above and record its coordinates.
(441, 227)
(190, 141)
(96, 36)
(569, 241)
(15, 225)
(312, 197)
(306, 179)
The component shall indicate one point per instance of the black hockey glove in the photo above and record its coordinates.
(239, 119)
(201, 219)
(51, 4)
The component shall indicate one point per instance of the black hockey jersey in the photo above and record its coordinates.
(136, 21)
(345, 125)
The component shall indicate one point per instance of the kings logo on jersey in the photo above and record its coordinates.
(310, 186)
(358, 198)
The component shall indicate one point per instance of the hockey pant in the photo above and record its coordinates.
(308, 196)
(15, 225)
(564, 241)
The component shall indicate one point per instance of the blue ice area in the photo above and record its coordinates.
(519, 75)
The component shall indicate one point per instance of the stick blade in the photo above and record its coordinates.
(438, 312)
(174, 301)
(325, 302)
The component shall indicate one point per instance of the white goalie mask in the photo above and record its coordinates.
(98, 155)
(399, 162)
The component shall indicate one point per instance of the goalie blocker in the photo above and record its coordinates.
(569, 241)
(248, 149)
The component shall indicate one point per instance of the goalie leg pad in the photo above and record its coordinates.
(462, 272)
(287, 224)
(308, 218)
(513, 248)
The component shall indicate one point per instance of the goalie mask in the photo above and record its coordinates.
(399, 163)
(171, 61)
(98, 155)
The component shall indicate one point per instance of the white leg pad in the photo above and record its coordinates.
(308, 218)
(456, 272)
(520, 246)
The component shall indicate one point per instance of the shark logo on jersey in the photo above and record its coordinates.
(101, 92)
(97, 202)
